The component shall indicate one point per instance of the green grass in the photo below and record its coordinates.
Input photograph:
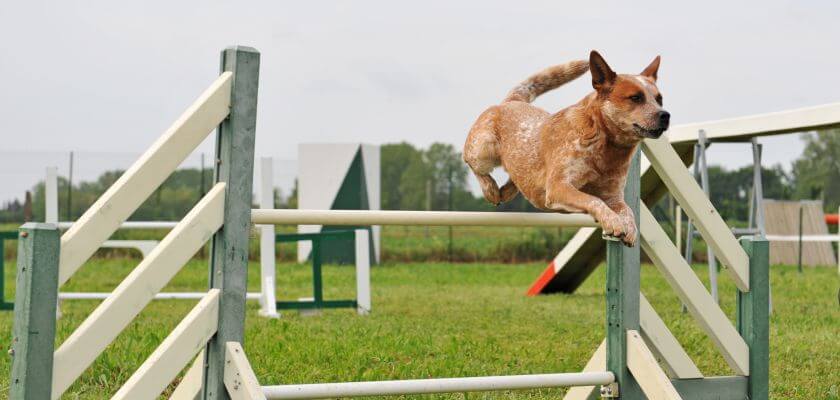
(440, 320)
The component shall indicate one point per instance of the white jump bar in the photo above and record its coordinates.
(443, 385)
(805, 238)
(159, 296)
(424, 218)
(133, 224)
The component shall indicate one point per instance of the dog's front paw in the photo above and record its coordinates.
(631, 233)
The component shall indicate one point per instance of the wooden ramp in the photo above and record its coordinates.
(782, 218)
(585, 251)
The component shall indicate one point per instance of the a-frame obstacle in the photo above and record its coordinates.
(626, 366)
(585, 251)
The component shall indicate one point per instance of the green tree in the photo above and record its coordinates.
(395, 159)
(816, 173)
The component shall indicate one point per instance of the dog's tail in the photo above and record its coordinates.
(547, 79)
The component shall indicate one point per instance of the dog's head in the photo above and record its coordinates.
(632, 104)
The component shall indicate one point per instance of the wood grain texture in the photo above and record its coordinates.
(139, 288)
(170, 357)
(104, 217)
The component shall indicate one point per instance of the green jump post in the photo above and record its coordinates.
(229, 254)
(33, 340)
(623, 288)
(754, 316)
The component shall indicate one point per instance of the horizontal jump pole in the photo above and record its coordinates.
(419, 218)
(442, 385)
(132, 224)
(804, 238)
(158, 296)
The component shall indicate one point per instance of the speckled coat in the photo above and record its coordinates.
(575, 160)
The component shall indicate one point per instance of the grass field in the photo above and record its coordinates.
(439, 320)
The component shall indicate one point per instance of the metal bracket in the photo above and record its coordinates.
(609, 391)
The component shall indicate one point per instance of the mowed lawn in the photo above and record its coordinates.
(442, 320)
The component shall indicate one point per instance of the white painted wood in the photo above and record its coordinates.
(363, 272)
(132, 224)
(268, 281)
(693, 294)
(143, 177)
(322, 168)
(143, 246)
(51, 196)
(598, 362)
(190, 386)
(240, 381)
(370, 162)
(137, 289)
(420, 218)
(170, 357)
(774, 123)
(642, 364)
(685, 190)
(674, 360)
(568, 251)
(667, 350)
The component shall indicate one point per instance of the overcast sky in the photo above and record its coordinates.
(111, 76)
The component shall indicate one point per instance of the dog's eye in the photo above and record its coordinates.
(659, 99)
(637, 98)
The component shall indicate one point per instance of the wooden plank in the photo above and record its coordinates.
(774, 123)
(694, 202)
(598, 362)
(622, 292)
(190, 386)
(754, 317)
(240, 381)
(138, 182)
(33, 334)
(712, 388)
(138, 289)
(693, 294)
(268, 267)
(664, 345)
(642, 364)
(169, 358)
(363, 302)
(235, 167)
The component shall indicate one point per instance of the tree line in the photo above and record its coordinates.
(435, 178)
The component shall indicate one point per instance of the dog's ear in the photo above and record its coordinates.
(652, 69)
(602, 75)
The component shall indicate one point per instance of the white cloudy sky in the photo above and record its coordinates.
(109, 77)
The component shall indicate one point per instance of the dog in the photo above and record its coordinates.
(575, 160)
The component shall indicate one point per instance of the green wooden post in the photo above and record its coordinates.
(33, 337)
(754, 316)
(317, 284)
(623, 288)
(229, 254)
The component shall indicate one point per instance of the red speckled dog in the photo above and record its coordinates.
(575, 160)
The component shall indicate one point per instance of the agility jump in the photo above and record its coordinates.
(627, 365)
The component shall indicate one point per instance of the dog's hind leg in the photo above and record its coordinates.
(481, 153)
(489, 188)
(508, 191)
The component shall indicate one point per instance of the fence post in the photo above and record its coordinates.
(754, 316)
(33, 340)
(229, 254)
(623, 288)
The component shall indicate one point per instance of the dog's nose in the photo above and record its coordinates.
(664, 118)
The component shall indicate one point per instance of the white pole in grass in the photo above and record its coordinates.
(363, 271)
(267, 251)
